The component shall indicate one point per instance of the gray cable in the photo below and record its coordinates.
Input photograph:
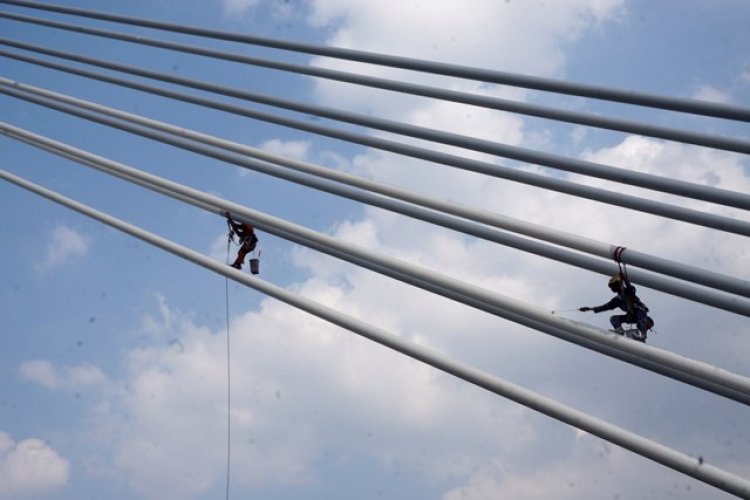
(706, 108)
(479, 230)
(621, 175)
(734, 144)
(648, 206)
(696, 468)
(693, 372)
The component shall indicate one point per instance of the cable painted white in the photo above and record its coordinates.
(657, 452)
(699, 374)
(698, 294)
(715, 109)
(737, 145)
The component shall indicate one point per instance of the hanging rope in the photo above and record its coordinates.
(229, 371)
(617, 256)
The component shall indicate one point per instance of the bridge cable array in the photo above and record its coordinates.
(714, 289)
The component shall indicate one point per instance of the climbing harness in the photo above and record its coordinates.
(622, 266)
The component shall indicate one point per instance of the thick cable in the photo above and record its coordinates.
(706, 108)
(644, 205)
(582, 167)
(733, 144)
(693, 372)
(479, 230)
(651, 365)
(647, 364)
(696, 468)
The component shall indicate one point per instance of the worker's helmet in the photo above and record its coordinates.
(614, 281)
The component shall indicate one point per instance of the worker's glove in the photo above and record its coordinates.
(584, 309)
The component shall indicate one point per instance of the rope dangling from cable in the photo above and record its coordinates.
(229, 371)
(617, 256)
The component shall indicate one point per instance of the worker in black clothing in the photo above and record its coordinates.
(626, 299)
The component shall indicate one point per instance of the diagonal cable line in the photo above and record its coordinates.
(681, 462)
(718, 300)
(696, 373)
(706, 108)
(179, 134)
(614, 198)
(453, 216)
(517, 153)
(738, 145)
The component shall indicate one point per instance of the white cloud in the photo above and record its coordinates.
(218, 249)
(40, 371)
(47, 375)
(297, 150)
(86, 375)
(710, 93)
(238, 7)
(295, 394)
(65, 245)
(424, 29)
(510, 36)
(592, 469)
(30, 467)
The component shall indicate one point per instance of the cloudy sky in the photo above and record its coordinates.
(113, 353)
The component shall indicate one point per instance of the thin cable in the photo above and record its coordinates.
(681, 462)
(229, 377)
(706, 108)
(647, 129)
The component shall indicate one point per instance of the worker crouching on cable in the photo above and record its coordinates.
(626, 299)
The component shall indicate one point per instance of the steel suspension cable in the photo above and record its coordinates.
(698, 374)
(725, 283)
(721, 482)
(706, 108)
(644, 205)
(738, 145)
(648, 181)
(645, 447)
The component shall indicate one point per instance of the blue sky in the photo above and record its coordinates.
(112, 366)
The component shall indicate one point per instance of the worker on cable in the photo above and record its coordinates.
(626, 299)
(247, 238)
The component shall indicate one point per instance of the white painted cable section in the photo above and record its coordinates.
(681, 462)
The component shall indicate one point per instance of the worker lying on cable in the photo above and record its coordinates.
(626, 299)
(246, 235)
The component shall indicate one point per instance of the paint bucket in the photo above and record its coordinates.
(255, 266)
